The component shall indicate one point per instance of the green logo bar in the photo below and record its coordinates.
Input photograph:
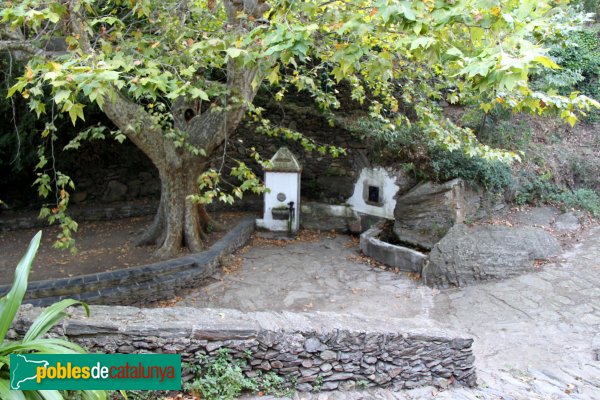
(95, 371)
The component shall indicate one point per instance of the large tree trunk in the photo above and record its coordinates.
(179, 222)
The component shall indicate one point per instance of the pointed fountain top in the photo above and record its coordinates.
(284, 161)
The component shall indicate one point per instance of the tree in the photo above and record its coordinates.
(177, 76)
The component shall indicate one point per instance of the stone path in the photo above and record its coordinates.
(535, 335)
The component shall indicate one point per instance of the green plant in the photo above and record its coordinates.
(143, 395)
(536, 189)
(361, 384)
(318, 384)
(492, 175)
(219, 378)
(33, 341)
(539, 189)
(272, 384)
(428, 159)
(223, 378)
(585, 199)
(579, 58)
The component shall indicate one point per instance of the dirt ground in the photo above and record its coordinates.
(102, 246)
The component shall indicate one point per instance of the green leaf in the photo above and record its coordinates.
(50, 395)
(198, 93)
(233, 52)
(49, 346)
(453, 51)
(50, 317)
(9, 304)
(273, 76)
(509, 19)
(7, 394)
(422, 41)
(486, 107)
(76, 111)
(61, 96)
(108, 76)
(546, 62)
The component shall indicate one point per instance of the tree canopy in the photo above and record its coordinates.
(177, 76)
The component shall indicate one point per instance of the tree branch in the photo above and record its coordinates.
(131, 118)
(22, 46)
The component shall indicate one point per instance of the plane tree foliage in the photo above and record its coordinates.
(177, 77)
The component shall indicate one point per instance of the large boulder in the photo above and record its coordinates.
(482, 252)
(424, 214)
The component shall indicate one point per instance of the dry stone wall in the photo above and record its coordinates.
(314, 350)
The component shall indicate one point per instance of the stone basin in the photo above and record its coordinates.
(392, 255)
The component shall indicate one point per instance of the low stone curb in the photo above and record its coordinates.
(317, 351)
(402, 258)
(136, 285)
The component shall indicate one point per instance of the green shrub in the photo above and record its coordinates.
(585, 199)
(408, 147)
(223, 378)
(498, 128)
(535, 189)
(539, 189)
(34, 341)
(219, 378)
(579, 58)
(493, 176)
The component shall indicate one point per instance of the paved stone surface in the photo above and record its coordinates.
(567, 222)
(534, 334)
(537, 216)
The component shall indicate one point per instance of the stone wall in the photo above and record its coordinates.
(13, 221)
(313, 350)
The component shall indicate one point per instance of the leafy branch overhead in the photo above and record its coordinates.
(176, 77)
(140, 47)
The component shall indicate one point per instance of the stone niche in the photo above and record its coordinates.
(376, 189)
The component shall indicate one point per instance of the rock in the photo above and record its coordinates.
(537, 216)
(329, 355)
(312, 345)
(307, 363)
(330, 385)
(150, 185)
(567, 223)
(469, 254)
(429, 210)
(341, 376)
(596, 347)
(304, 387)
(115, 191)
(326, 367)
